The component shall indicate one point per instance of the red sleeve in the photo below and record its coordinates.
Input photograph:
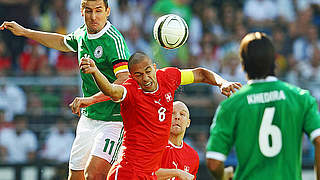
(173, 75)
(129, 87)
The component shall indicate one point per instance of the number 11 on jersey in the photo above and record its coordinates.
(268, 129)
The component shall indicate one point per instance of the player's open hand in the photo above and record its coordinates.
(80, 102)
(14, 27)
(227, 88)
(87, 65)
(183, 175)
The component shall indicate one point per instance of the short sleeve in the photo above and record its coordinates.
(173, 75)
(221, 134)
(71, 42)
(32, 142)
(312, 119)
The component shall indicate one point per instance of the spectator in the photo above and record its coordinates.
(67, 64)
(33, 61)
(58, 143)
(135, 41)
(18, 144)
(12, 100)
(5, 59)
(260, 13)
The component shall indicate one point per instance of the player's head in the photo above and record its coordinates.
(257, 55)
(180, 118)
(143, 71)
(95, 14)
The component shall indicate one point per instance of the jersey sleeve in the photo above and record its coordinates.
(312, 119)
(71, 42)
(173, 76)
(221, 134)
(119, 53)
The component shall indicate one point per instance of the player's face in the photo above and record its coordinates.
(180, 118)
(95, 15)
(144, 73)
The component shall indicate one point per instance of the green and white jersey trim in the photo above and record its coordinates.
(314, 134)
(267, 79)
(118, 42)
(216, 155)
(100, 33)
(68, 46)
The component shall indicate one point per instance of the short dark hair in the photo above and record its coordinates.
(136, 58)
(84, 1)
(257, 55)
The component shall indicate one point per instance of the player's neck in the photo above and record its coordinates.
(176, 140)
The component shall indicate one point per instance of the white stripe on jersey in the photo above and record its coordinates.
(119, 40)
(117, 171)
(116, 43)
(122, 44)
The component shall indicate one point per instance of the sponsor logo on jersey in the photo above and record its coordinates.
(98, 52)
(158, 102)
(168, 97)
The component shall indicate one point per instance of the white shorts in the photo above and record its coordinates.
(99, 138)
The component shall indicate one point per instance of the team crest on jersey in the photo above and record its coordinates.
(168, 97)
(186, 168)
(98, 52)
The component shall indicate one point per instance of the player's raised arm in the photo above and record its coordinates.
(202, 75)
(115, 91)
(50, 40)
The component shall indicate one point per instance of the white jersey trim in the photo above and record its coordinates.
(66, 43)
(124, 94)
(175, 146)
(315, 133)
(123, 70)
(216, 155)
(100, 33)
(267, 79)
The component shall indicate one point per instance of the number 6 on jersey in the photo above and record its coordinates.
(267, 129)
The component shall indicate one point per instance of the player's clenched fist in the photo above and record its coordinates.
(87, 65)
(14, 27)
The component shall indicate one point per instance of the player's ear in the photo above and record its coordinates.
(108, 11)
(82, 11)
(154, 65)
(188, 123)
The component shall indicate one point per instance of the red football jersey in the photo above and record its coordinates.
(183, 157)
(147, 120)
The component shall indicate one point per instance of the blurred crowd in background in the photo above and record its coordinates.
(35, 120)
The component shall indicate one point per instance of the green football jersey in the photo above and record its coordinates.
(108, 49)
(265, 120)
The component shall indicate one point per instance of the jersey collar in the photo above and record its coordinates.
(175, 146)
(267, 79)
(100, 33)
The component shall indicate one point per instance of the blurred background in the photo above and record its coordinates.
(37, 84)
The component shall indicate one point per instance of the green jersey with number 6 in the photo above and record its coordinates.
(110, 53)
(265, 120)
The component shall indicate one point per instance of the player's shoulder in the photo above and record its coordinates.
(112, 32)
(80, 31)
(168, 71)
(190, 150)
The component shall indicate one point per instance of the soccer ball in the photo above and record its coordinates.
(170, 31)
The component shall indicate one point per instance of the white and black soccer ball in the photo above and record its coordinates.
(170, 31)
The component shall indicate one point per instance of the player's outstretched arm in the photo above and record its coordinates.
(163, 174)
(216, 168)
(202, 75)
(50, 40)
(115, 91)
(316, 142)
(81, 102)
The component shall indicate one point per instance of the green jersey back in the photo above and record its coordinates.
(107, 48)
(265, 121)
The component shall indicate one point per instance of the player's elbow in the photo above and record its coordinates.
(200, 75)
